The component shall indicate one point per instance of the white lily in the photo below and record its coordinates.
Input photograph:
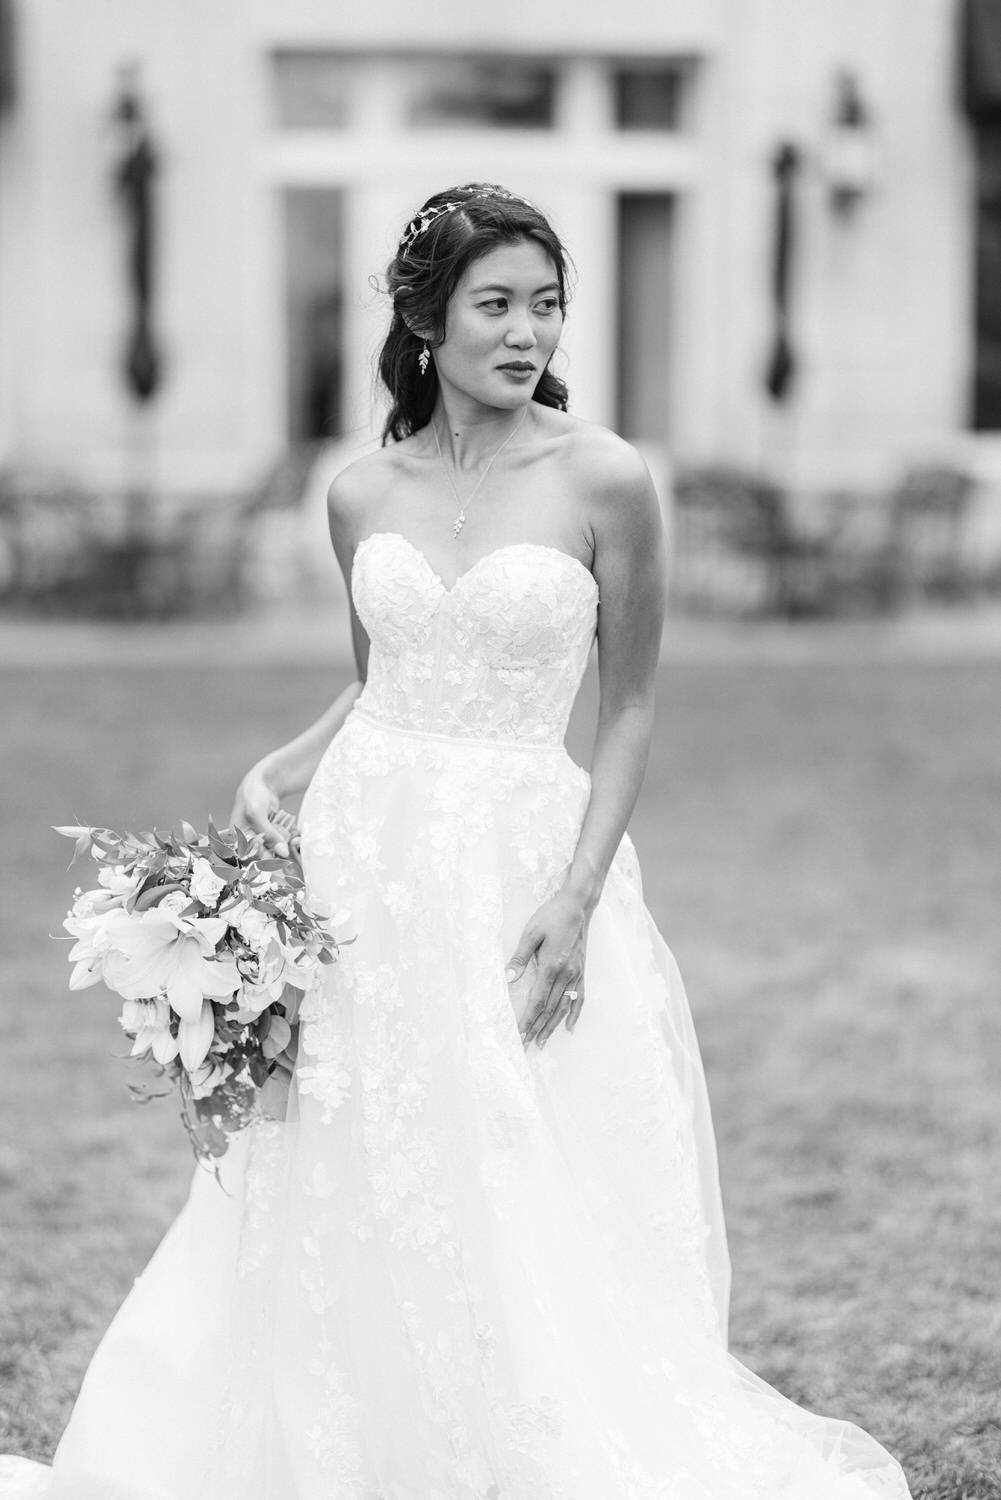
(160, 952)
(95, 903)
(148, 1021)
(268, 982)
(94, 932)
(194, 1038)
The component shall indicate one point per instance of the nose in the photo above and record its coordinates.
(520, 333)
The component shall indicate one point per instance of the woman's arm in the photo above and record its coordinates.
(286, 771)
(630, 565)
(631, 568)
(290, 768)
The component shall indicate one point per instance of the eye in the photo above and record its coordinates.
(498, 304)
(548, 305)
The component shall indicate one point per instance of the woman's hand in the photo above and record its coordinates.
(257, 809)
(557, 936)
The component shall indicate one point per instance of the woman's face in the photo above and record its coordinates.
(502, 324)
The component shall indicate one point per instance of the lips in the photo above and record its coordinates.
(520, 367)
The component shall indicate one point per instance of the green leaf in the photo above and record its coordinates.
(213, 1140)
(278, 1037)
(258, 1067)
(152, 894)
(142, 1093)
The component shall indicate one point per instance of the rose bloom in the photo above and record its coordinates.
(115, 880)
(256, 927)
(206, 885)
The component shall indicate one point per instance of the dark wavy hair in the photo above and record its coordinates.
(434, 252)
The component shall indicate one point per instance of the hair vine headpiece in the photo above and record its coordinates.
(426, 217)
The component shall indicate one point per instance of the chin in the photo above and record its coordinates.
(503, 400)
(511, 397)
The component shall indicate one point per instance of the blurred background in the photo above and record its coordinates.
(786, 216)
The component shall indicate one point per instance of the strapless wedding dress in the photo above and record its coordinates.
(460, 1270)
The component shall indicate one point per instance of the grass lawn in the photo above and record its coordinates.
(820, 847)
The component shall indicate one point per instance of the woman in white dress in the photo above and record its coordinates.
(479, 1253)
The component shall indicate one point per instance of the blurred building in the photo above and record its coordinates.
(294, 138)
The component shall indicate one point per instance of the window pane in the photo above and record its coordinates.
(650, 97)
(311, 90)
(509, 93)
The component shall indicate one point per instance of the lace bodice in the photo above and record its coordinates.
(498, 656)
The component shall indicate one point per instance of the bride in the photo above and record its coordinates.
(478, 1253)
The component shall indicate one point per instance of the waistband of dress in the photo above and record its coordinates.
(551, 747)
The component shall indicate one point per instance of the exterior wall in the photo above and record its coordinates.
(882, 302)
(63, 291)
(547, 26)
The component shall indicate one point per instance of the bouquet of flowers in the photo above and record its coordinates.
(211, 942)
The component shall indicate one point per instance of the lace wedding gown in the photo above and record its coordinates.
(460, 1270)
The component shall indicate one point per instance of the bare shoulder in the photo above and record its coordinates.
(357, 485)
(614, 483)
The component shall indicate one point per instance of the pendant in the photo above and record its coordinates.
(458, 523)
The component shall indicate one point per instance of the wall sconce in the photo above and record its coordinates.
(848, 152)
(135, 171)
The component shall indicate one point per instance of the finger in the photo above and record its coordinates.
(534, 1008)
(274, 836)
(544, 996)
(526, 949)
(290, 826)
(272, 824)
(559, 1011)
(552, 1023)
(576, 1007)
(534, 1018)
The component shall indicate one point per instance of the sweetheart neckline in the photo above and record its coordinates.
(494, 551)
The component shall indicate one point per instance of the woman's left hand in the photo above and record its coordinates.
(557, 936)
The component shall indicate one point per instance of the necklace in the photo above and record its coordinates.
(460, 519)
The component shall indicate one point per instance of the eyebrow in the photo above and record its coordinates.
(495, 286)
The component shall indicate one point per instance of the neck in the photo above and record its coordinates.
(470, 433)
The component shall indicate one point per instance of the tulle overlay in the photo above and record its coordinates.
(459, 1269)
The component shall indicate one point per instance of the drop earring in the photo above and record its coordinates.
(424, 358)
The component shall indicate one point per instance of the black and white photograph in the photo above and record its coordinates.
(500, 703)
